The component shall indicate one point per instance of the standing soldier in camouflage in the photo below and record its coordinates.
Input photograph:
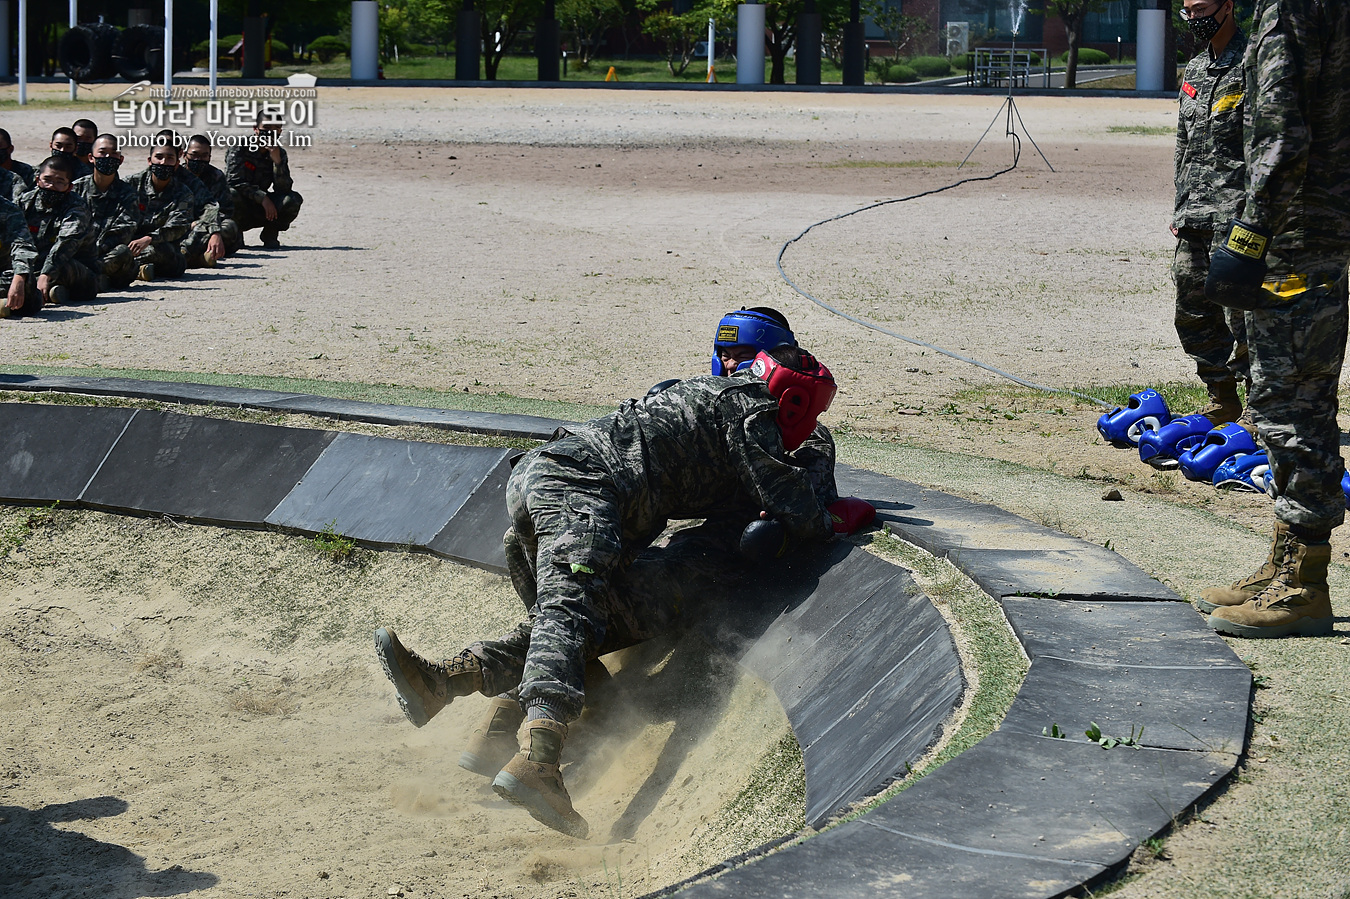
(260, 178)
(165, 206)
(584, 506)
(1285, 260)
(115, 217)
(1211, 186)
(58, 219)
(19, 257)
(203, 246)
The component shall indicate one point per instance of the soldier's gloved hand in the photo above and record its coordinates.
(1238, 267)
(763, 540)
(850, 514)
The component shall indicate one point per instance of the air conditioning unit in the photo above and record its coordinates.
(958, 38)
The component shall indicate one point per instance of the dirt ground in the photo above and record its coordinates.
(573, 245)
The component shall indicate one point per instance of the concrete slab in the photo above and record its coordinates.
(526, 426)
(1065, 574)
(474, 535)
(383, 491)
(49, 453)
(205, 469)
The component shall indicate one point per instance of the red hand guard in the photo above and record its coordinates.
(851, 514)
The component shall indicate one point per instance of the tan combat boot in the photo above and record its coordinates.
(1224, 405)
(424, 687)
(1296, 602)
(494, 739)
(533, 779)
(1241, 591)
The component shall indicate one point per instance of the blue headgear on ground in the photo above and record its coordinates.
(748, 327)
(1145, 411)
(1219, 445)
(1243, 472)
(802, 395)
(1161, 448)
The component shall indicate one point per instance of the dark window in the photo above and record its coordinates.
(992, 20)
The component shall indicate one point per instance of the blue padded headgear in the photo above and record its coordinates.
(748, 328)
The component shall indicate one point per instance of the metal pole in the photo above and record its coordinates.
(23, 52)
(168, 48)
(215, 51)
(74, 20)
(712, 36)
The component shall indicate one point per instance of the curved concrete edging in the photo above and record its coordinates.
(1019, 814)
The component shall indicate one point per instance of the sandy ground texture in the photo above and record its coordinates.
(531, 242)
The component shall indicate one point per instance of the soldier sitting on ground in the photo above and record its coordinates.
(165, 205)
(260, 178)
(64, 143)
(582, 508)
(7, 162)
(86, 132)
(205, 209)
(210, 241)
(18, 256)
(58, 220)
(114, 215)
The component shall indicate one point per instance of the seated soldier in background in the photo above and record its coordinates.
(165, 205)
(64, 143)
(18, 255)
(114, 215)
(205, 209)
(260, 179)
(12, 186)
(7, 162)
(86, 132)
(210, 241)
(58, 220)
(583, 507)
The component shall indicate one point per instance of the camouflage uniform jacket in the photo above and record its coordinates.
(165, 217)
(1298, 132)
(18, 240)
(116, 218)
(252, 174)
(62, 232)
(24, 172)
(215, 182)
(12, 186)
(1211, 176)
(205, 208)
(704, 445)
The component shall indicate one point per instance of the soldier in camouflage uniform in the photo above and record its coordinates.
(165, 205)
(216, 239)
(115, 217)
(19, 257)
(1210, 188)
(583, 507)
(21, 170)
(58, 219)
(1298, 212)
(264, 193)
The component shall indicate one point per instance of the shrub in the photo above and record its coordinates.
(1087, 56)
(931, 66)
(417, 49)
(281, 51)
(329, 47)
(901, 74)
(961, 62)
(223, 45)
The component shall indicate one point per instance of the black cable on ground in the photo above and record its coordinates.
(1017, 154)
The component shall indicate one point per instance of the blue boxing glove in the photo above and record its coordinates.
(763, 540)
(1237, 270)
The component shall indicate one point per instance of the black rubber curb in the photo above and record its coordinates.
(859, 657)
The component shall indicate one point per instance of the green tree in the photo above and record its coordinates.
(905, 34)
(780, 21)
(677, 34)
(587, 21)
(1073, 13)
(502, 22)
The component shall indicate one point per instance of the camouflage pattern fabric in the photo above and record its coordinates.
(114, 214)
(64, 239)
(166, 217)
(12, 186)
(24, 171)
(584, 508)
(1214, 336)
(253, 176)
(1298, 162)
(20, 254)
(1211, 176)
(215, 183)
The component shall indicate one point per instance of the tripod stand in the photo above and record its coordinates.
(1010, 105)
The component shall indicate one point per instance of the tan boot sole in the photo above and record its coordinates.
(1303, 627)
(408, 698)
(513, 791)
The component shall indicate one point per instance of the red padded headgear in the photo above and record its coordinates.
(802, 395)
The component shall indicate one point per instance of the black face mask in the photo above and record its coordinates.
(67, 153)
(197, 166)
(84, 148)
(161, 172)
(49, 196)
(107, 165)
(1206, 27)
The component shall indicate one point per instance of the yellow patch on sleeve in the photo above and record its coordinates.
(1223, 104)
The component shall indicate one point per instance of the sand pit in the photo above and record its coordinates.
(194, 709)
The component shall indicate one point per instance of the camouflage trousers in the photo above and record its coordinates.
(1213, 336)
(1297, 353)
(165, 257)
(193, 246)
(79, 279)
(118, 267)
(566, 556)
(249, 215)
